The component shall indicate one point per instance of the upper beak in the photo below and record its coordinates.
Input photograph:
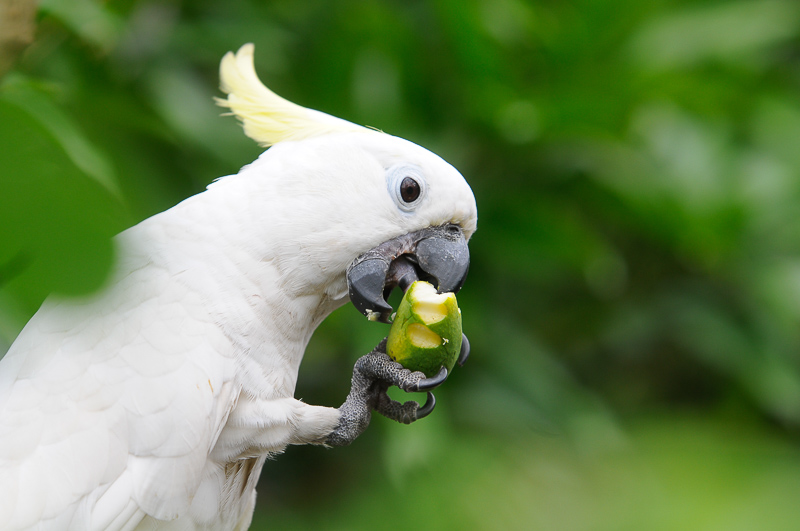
(437, 254)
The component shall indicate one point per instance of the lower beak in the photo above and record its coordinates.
(437, 254)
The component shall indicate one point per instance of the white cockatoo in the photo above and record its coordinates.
(154, 404)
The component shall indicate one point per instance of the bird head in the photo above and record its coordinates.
(363, 210)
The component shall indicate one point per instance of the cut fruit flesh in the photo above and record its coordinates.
(422, 336)
(431, 311)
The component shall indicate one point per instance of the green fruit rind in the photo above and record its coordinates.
(426, 332)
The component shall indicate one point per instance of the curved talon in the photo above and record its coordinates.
(430, 383)
(425, 410)
(464, 354)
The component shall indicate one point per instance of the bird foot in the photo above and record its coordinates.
(373, 374)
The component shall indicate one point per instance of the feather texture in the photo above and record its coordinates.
(267, 118)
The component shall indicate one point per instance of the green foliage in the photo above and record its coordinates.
(633, 296)
(57, 220)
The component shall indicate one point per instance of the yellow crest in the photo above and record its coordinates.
(266, 117)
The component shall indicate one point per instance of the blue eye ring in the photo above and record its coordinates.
(406, 185)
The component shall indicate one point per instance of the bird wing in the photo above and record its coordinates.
(110, 407)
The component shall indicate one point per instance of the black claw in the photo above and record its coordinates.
(425, 410)
(464, 354)
(430, 383)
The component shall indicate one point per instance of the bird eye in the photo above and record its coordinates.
(406, 185)
(409, 190)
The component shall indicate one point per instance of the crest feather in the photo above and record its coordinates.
(266, 117)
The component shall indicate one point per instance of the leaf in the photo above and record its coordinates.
(56, 222)
(83, 154)
(92, 21)
(726, 31)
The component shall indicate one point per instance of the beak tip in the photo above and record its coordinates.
(365, 284)
(446, 258)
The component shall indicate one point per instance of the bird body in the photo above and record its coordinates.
(154, 403)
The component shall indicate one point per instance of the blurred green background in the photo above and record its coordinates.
(634, 297)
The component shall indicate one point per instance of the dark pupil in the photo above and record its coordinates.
(409, 190)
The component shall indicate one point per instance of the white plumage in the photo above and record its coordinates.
(153, 404)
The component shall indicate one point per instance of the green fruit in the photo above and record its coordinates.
(426, 332)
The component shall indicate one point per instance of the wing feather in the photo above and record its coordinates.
(105, 416)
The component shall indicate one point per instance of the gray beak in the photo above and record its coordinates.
(437, 254)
